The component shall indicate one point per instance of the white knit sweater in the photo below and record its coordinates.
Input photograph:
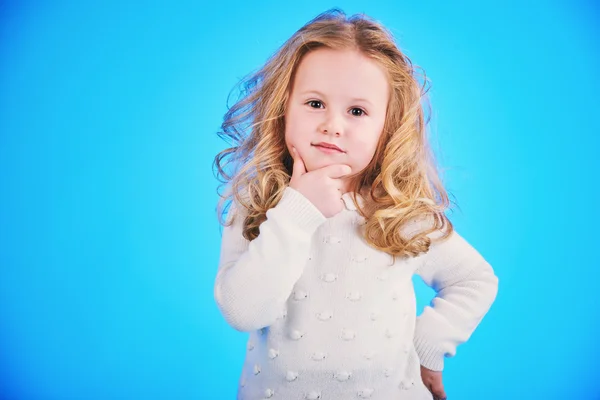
(330, 317)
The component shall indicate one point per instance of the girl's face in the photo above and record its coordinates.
(339, 98)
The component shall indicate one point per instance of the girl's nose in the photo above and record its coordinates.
(332, 126)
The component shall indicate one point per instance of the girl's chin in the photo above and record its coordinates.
(318, 165)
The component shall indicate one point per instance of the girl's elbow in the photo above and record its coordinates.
(243, 316)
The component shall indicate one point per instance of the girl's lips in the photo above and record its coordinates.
(328, 150)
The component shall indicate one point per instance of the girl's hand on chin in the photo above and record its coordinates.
(323, 186)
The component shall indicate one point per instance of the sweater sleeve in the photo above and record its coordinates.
(465, 286)
(255, 278)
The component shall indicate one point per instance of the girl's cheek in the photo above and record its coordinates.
(289, 142)
(287, 135)
(288, 138)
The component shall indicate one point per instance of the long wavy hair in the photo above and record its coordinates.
(401, 183)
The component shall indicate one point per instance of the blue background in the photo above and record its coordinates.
(108, 233)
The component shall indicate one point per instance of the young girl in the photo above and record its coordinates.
(336, 203)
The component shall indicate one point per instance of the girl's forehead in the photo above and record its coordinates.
(348, 72)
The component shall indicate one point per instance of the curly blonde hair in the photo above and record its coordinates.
(401, 182)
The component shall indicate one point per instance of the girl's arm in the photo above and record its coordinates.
(255, 279)
(466, 287)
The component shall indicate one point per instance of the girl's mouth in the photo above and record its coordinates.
(328, 148)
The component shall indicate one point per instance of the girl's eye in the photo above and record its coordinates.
(357, 112)
(360, 111)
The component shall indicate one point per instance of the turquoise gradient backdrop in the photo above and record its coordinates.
(109, 242)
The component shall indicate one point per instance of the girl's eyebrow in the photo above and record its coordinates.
(322, 95)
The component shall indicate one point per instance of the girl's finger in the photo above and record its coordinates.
(439, 396)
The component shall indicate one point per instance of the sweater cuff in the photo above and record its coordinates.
(429, 356)
(300, 211)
